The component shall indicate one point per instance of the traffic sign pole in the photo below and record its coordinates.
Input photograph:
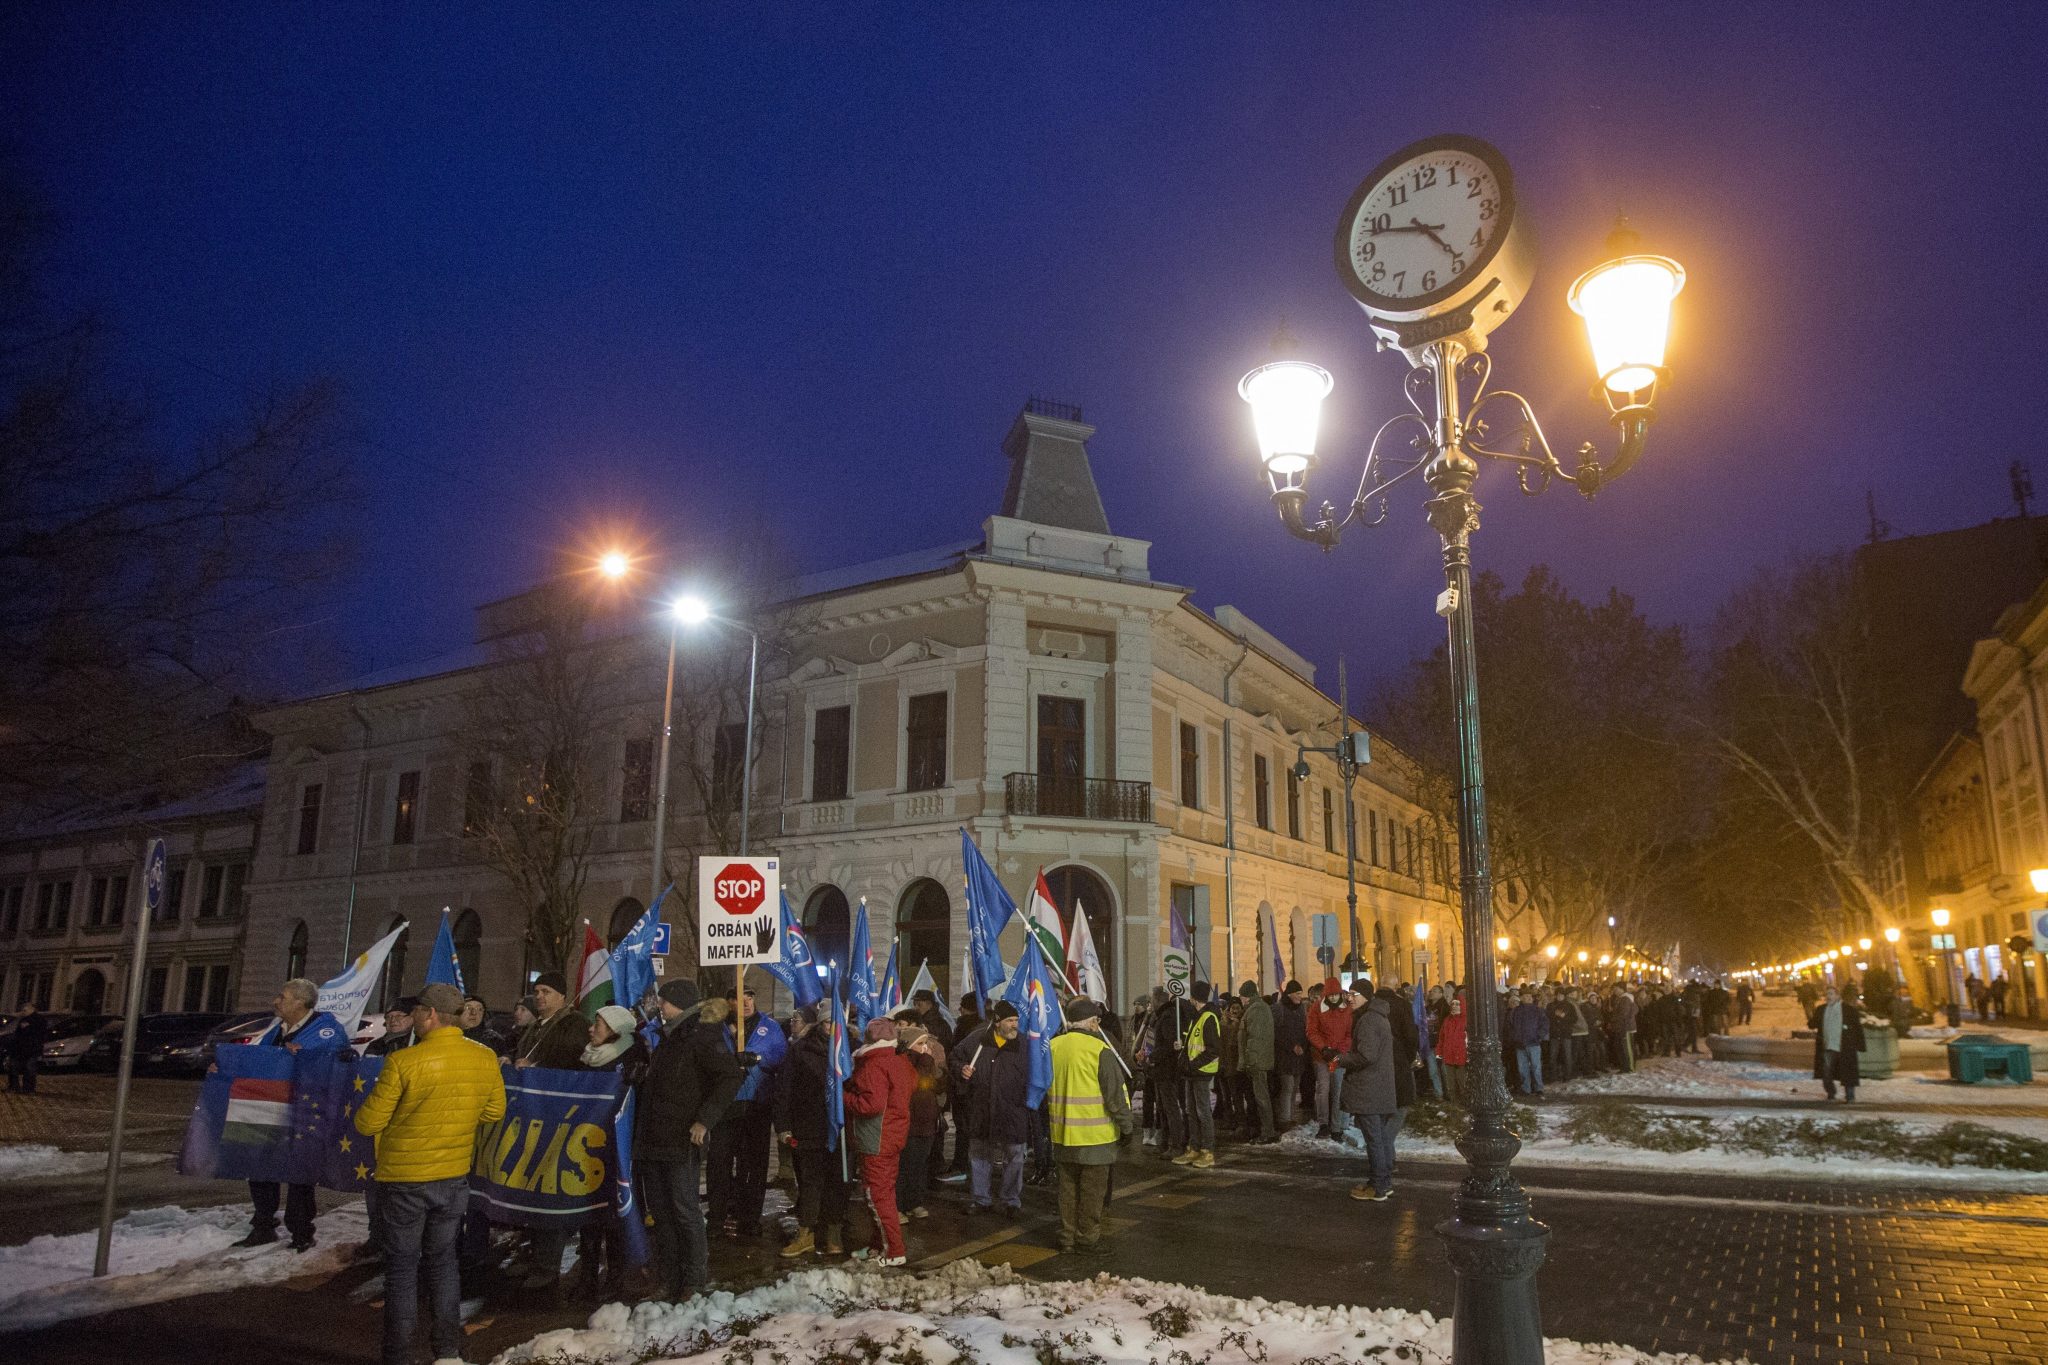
(152, 901)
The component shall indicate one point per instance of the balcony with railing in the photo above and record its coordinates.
(1077, 798)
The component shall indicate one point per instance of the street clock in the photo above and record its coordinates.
(1432, 244)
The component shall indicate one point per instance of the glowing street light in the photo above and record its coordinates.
(1421, 932)
(614, 564)
(2039, 877)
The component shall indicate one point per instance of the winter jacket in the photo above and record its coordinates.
(317, 1032)
(631, 1065)
(770, 1046)
(1621, 1014)
(1560, 1013)
(1077, 1089)
(1407, 1043)
(1169, 1028)
(1450, 1042)
(427, 1105)
(929, 1095)
(1255, 1047)
(878, 1099)
(1848, 1067)
(995, 1096)
(393, 1042)
(25, 1044)
(1370, 1065)
(556, 1042)
(1527, 1025)
(1329, 1033)
(800, 1092)
(1290, 1031)
(691, 1079)
(1233, 1043)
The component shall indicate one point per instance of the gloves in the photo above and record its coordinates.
(749, 1060)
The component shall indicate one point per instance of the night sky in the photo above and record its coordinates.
(685, 268)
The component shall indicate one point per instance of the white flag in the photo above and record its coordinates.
(924, 982)
(346, 996)
(1084, 967)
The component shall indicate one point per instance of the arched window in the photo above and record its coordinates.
(829, 922)
(89, 991)
(625, 914)
(295, 952)
(468, 934)
(392, 984)
(924, 927)
(1076, 886)
(1301, 947)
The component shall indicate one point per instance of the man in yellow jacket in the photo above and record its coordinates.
(423, 1114)
(1089, 1111)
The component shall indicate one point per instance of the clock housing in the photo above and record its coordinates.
(1432, 244)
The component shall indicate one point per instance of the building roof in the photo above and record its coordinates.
(241, 791)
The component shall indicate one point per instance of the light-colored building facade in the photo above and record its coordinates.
(71, 900)
(2005, 681)
(1037, 688)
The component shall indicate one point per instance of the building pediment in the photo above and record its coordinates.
(820, 668)
(919, 652)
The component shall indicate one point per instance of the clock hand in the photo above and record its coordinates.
(1431, 232)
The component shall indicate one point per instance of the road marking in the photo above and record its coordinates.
(1016, 1255)
(973, 1248)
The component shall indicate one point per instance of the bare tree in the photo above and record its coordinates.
(537, 724)
(150, 579)
(1798, 714)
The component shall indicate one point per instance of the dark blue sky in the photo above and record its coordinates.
(686, 266)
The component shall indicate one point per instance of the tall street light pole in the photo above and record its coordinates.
(695, 611)
(668, 711)
(1432, 245)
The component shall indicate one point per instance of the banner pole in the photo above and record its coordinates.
(152, 898)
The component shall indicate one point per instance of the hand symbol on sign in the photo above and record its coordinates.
(764, 939)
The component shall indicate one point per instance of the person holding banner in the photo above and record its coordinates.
(300, 1027)
(690, 1081)
(423, 1115)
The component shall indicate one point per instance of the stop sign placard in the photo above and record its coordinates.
(739, 911)
(739, 889)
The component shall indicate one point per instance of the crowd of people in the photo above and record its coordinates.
(727, 1094)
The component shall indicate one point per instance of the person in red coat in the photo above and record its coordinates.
(1329, 1037)
(878, 1102)
(1450, 1051)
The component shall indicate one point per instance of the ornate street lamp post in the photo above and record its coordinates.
(1433, 247)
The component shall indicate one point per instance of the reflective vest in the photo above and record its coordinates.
(1073, 1106)
(1202, 1059)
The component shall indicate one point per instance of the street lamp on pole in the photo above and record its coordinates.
(695, 611)
(1946, 944)
(1433, 247)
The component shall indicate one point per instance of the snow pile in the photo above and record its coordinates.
(158, 1254)
(1701, 1077)
(37, 1160)
(987, 1315)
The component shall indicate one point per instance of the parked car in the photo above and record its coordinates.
(104, 1051)
(191, 1052)
(70, 1036)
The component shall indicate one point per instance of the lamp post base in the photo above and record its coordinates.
(1496, 1320)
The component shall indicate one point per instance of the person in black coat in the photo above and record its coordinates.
(1837, 1025)
(690, 1079)
(1290, 1050)
(991, 1064)
(966, 1020)
(1407, 1043)
(802, 1086)
(25, 1048)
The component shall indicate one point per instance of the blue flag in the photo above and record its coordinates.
(243, 1124)
(798, 970)
(1422, 1030)
(1279, 964)
(862, 999)
(839, 1066)
(989, 910)
(1038, 1017)
(889, 995)
(625, 1203)
(633, 959)
(444, 967)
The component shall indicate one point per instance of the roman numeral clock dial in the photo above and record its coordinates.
(1432, 236)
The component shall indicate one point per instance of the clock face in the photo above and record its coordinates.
(1420, 230)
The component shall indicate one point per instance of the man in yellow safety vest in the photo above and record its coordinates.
(1089, 1110)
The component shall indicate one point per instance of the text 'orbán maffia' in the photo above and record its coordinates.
(739, 905)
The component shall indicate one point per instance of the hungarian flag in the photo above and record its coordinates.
(594, 980)
(1043, 917)
(241, 1128)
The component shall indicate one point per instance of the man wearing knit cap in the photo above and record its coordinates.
(1255, 1058)
(1090, 1112)
(996, 1073)
(691, 1078)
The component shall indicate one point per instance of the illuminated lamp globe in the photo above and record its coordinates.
(1286, 398)
(1627, 307)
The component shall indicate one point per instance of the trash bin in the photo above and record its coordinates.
(1977, 1057)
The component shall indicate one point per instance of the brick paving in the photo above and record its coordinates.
(1768, 1268)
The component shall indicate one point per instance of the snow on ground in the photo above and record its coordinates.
(39, 1161)
(1689, 1077)
(1550, 1148)
(967, 1311)
(158, 1254)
